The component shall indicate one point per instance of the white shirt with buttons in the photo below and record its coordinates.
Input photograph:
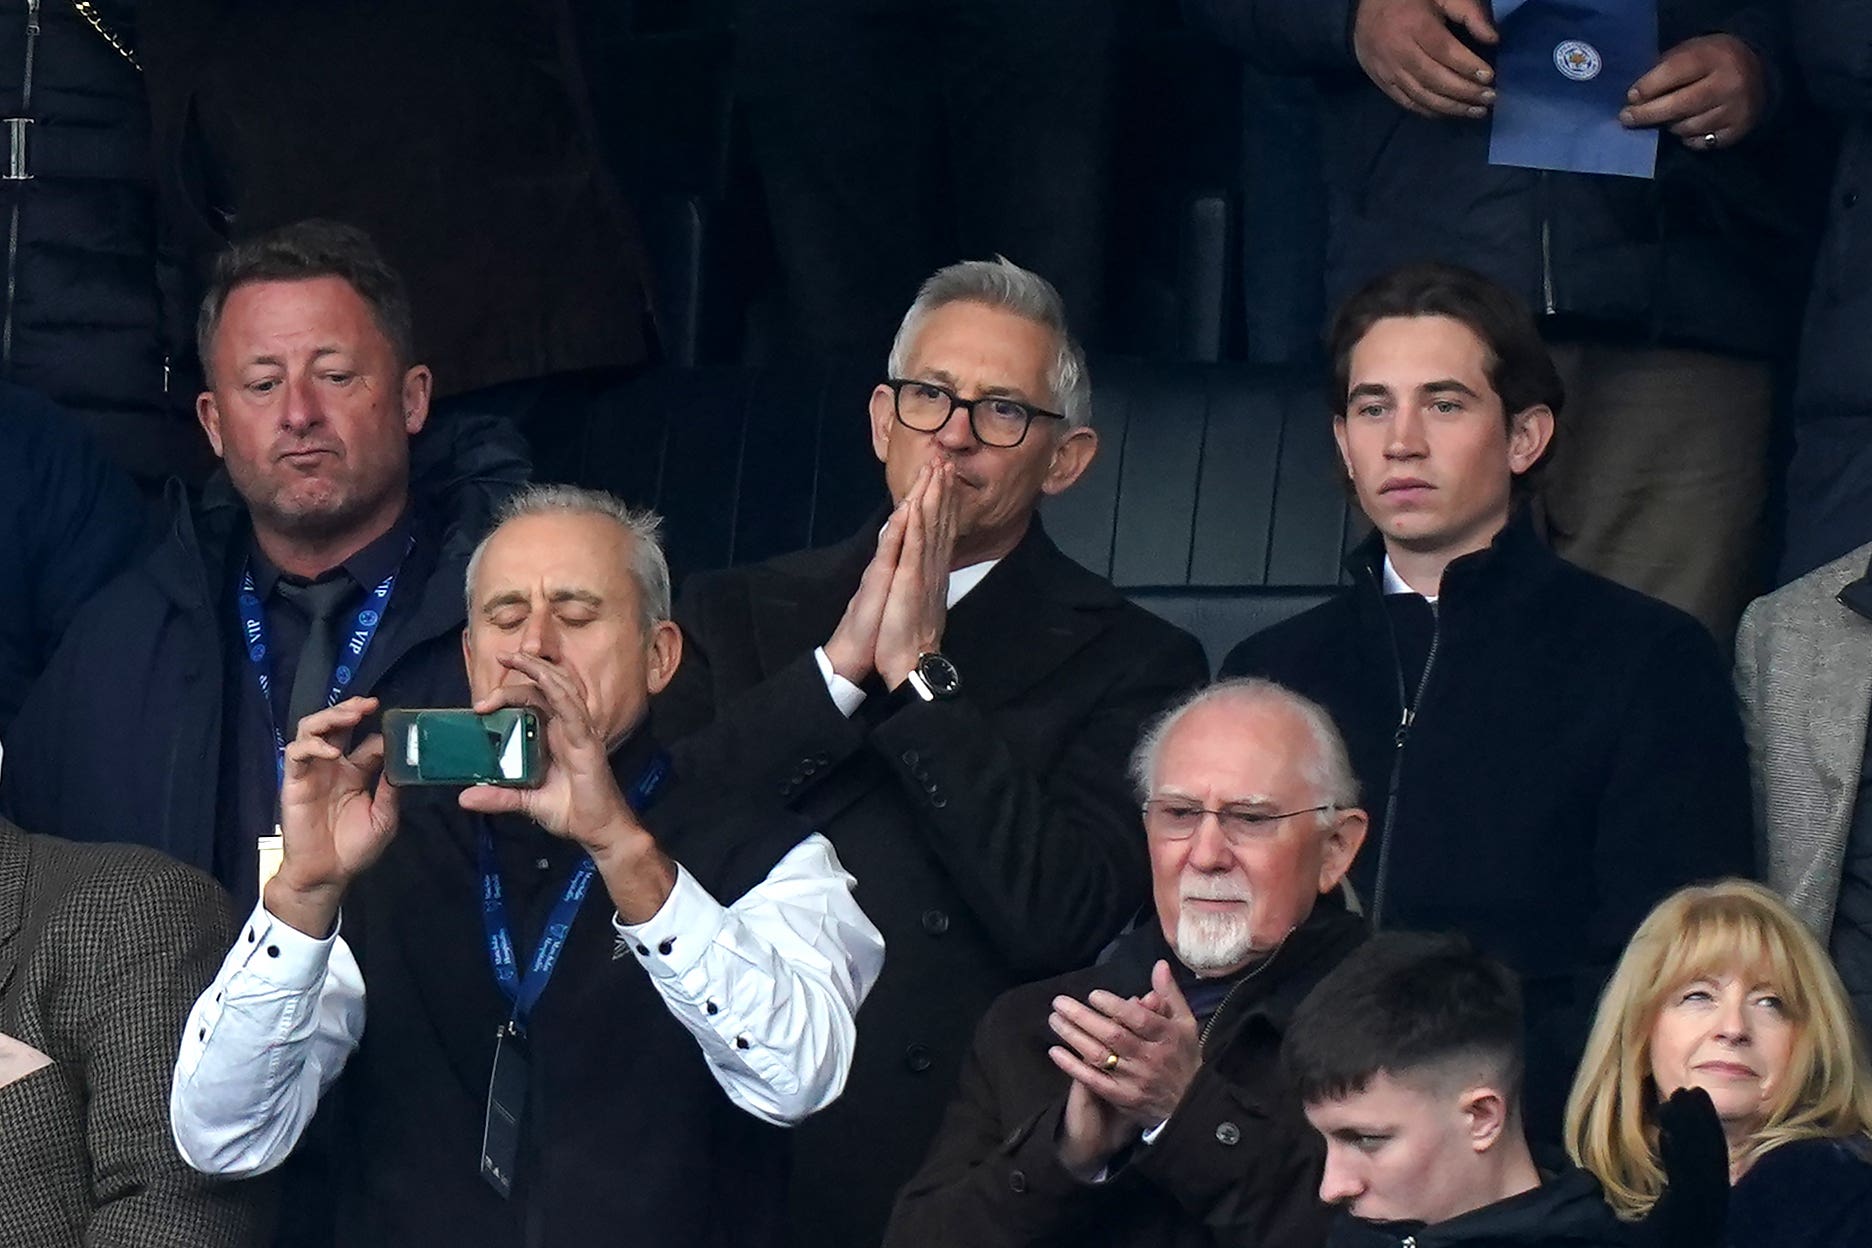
(769, 987)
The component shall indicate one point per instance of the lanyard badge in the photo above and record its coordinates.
(358, 638)
(507, 1084)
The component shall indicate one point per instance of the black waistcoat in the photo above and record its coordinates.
(627, 1138)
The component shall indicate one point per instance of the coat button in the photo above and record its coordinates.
(1228, 1135)
(809, 768)
(938, 800)
(917, 1058)
(1017, 1182)
(1850, 199)
(935, 922)
(911, 758)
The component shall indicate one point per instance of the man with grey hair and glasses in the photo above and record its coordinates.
(951, 701)
(622, 1074)
(1142, 1100)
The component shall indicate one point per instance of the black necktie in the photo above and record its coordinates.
(319, 656)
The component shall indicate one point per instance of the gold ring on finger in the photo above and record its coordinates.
(1111, 1062)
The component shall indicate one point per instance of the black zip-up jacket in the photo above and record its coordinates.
(1712, 253)
(90, 307)
(1574, 754)
(1237, 1163)
(121, 739)
(1565, 1211)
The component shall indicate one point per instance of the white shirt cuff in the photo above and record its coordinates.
(280, 955)
(1150, 1136)
(671, 942)
(845, 695)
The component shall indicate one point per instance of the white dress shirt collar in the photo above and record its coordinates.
(1395, 584)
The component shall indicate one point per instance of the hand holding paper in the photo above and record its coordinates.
(1711, 85)
(1562, 67)
(1407, 48)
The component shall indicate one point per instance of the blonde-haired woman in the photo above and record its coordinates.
(1723, 989)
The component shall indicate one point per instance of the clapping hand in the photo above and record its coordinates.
(334, 821)
(1157, 1046)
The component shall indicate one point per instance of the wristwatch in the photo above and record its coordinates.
(934, 678)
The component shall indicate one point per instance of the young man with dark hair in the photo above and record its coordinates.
(1546, 753)
(1408, 1059)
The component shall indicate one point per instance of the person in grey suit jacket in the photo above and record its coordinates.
(102, 950)
(1804, 673)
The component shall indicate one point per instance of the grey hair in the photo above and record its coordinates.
(1000, 283)
(1328, 770)
(648, 567)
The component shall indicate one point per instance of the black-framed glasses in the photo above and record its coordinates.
(995, 419)
(1177, 818)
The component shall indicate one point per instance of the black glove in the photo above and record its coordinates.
(1694, 1208)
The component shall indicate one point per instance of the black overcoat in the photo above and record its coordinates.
(994, 837)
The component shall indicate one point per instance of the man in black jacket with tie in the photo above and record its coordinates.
(951, 700)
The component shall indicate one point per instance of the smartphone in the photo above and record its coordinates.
(455, 746)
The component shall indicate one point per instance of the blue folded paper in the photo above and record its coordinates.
(1561, 73)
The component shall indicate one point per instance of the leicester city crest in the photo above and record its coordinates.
(1577, 59)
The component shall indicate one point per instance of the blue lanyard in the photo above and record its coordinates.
(525, 993)
(350, 657)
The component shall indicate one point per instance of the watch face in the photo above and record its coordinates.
(940, 675)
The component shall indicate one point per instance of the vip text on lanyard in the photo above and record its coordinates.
(525, 994)
(350, 655)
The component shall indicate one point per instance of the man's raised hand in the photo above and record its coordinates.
(337, 814)
(918, 603)
(578, 797)
(852, 648)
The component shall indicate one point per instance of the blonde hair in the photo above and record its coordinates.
(1713, 929)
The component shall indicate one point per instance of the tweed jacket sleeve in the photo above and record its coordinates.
(152, 955)
(1803, 672)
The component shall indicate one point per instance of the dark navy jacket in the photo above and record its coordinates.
(122, 739)
(68, 522)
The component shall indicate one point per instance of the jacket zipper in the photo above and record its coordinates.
(88, 11)
(1202, 1041)
(1406, 719)
(1546, 247)
(13, 221)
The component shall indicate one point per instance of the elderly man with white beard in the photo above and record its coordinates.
(1141, 1101)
